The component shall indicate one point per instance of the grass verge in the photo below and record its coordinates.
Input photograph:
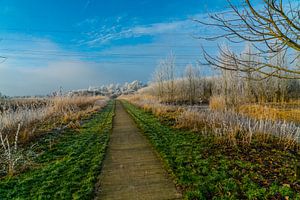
(67, 164)
(206, 170)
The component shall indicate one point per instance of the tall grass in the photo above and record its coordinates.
(150, 104)
(23, 119)
(272, 112)
(217, 103)
(62, 109)
(234, 128)
(228, 126)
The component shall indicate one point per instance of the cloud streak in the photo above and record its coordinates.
(106, 35)
(26, 74)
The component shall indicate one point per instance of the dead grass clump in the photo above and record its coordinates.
(22, 123)
(271, 113)
(152, 104)
(226, 127)
(80, 102)
(56, 112)
(74, 125)
(232, 128)
(217, 103)
(189, 119)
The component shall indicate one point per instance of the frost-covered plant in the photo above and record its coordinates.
(10, 154)
(29, 114)
(233, 125)
(12, 157)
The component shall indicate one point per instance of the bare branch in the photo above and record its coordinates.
(272, 30)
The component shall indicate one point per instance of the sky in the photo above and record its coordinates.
(48, 44)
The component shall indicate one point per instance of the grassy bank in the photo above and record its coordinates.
(67, 164)
(207, 170)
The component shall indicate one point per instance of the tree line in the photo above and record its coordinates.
(268, 70)
(235, 87)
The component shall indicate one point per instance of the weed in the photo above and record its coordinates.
(52, 111)
(67, 165)
(206, 170)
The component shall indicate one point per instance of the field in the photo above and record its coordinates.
(286, 111)
(205, 169)
(247, 153)
(63, 164)
(208, 153)
(60, 110)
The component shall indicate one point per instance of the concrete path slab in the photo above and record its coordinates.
(131, 169)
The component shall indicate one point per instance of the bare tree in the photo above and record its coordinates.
(192, 77)
(158, 79)
(249, 82)
(274, 28)
(164, 77)
(169, 68)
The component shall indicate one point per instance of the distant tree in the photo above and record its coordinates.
(192, 76)
(158, 78)
(164, 77)
(2, 96)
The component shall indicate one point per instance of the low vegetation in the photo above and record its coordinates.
(285, 111)
(228, 127)
(65, 164)
(206, 169)
(40, 115)
(229, 136)
(24, 120)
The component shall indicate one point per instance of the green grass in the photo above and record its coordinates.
(207, 170)
(68, 168)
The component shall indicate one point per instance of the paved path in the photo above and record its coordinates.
(131, 169)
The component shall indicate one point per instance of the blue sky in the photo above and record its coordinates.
(81, 43)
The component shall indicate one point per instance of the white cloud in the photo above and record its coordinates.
(35, 67)
(44, 79)
(106, 35)
(66, 71)
(88, 2)
(157, 28)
